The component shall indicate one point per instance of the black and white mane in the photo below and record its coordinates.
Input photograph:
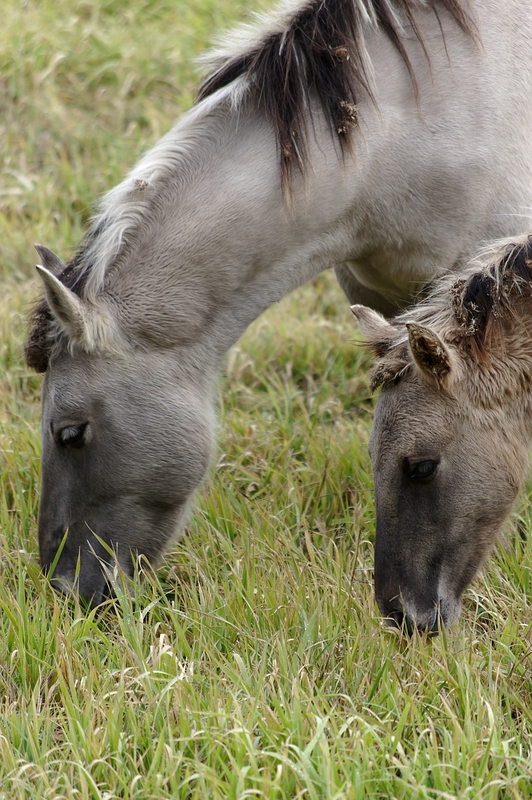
(317, 49)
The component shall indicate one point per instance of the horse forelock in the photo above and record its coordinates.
(47, 336)
(317, 47)
(391, 368)
(124, 213)
(38, 343)
(44, 331)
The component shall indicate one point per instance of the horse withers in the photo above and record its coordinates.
(385, 138)
(452, 430)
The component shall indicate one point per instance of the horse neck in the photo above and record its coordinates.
(224, 244)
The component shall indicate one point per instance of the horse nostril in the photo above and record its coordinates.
(61, 584)
(396, 618)
(429, 622)
(392, 611)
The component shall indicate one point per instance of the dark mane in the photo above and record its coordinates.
(320, 51)
(483, 301)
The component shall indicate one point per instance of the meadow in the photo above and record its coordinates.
(253, 663)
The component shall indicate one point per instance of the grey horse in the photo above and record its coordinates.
(384, 138)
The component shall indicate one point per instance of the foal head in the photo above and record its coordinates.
(452, 426)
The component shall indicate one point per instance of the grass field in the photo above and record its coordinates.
(254, 663)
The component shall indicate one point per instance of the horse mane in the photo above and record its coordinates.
(314, 48)
(317, 48)
(470, 311)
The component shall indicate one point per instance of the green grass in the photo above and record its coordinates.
(253, 664)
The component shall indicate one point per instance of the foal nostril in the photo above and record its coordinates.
(402, 621)
(435, 620)
(428, 622)
(393, 613)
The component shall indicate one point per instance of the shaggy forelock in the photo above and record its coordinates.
(468, 311)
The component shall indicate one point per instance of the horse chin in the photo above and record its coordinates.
(99, 591)
(86, 561)
(93, 586)
(99, 582)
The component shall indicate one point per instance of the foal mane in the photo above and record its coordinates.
(471, 311)
(317, 48)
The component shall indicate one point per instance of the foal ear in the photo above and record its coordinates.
(378, 333)
(66, 306)
(430, 353)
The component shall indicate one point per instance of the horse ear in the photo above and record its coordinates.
(66, 306)
(430, 353)
(378, 333)
(50, 261)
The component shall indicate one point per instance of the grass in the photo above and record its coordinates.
(253, 664)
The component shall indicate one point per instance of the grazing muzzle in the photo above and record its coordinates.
(86, 575)
(403, 615)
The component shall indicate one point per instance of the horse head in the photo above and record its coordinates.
(127, 437)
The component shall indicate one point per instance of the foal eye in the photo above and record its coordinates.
(72, 435)
(421, 470)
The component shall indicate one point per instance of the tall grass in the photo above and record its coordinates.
(253, 663)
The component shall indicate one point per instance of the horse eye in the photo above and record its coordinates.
(72, 435)
(421, 470)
